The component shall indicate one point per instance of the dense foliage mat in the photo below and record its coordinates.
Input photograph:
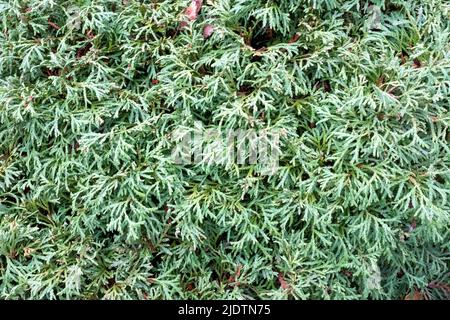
(92, 205)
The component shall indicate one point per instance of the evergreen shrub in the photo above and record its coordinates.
(92, 206)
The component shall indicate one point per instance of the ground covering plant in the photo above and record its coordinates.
(92, 206)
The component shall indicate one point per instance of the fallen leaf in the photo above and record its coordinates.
(189, 287)
(208, 31)
(232, 279)
(193, 10)
(54, 25)
(417, 63)
(294, 38)
(416, 295)
(283, 283)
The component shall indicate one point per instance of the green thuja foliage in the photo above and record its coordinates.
(92, 206)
